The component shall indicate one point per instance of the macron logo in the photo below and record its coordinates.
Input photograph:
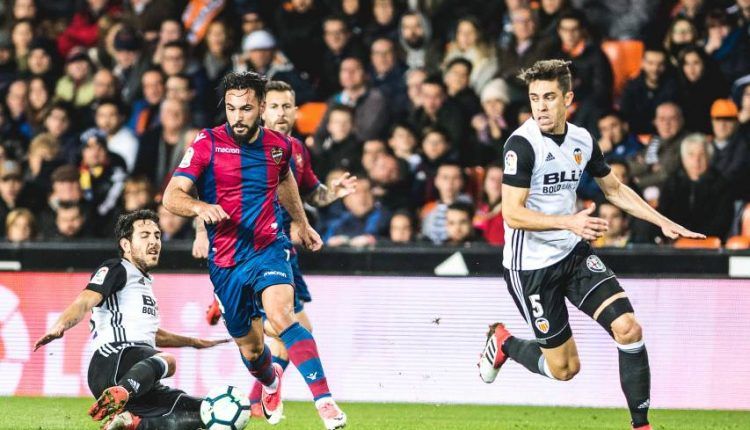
(228, 150)
(312, 376)
(274, 273)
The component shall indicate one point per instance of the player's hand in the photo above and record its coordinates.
(674, 230)
(205, 343)
(309, 237)
(344, 185)
(200, 245)
(55, 332)
(586, 226)
(211, 214)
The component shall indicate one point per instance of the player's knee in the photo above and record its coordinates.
(252, 351)
(171, 362)
(565, 370)
(280, 316)
(626, 329)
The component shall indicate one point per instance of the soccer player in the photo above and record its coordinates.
(280, 115)
(126, 369)
(547, 257)
(241, 172)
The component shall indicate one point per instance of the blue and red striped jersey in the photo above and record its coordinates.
(307, 181)
(243, 180)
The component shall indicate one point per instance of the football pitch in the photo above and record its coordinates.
(18, 413)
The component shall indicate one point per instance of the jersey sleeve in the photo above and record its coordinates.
(518, 156)
(286, 155)
(196, 158)
(308, 181)
(596, 166)
(108, 279)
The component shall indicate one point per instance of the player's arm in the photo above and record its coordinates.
(71, 316)
(166, 339)
(200, 243)
(290, 199)
(340, 188)
(519, 164)
(179, 201)
(628, 200)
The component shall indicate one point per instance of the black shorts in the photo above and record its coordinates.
(105, 371)
(540, 294)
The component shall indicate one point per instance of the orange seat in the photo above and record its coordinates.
(625, 58)
(710, 242)
(737, 242)
(309, 116)
(475, 182)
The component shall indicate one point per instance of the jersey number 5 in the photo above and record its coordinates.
(536, 306)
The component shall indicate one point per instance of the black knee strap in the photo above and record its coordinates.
(612, 312)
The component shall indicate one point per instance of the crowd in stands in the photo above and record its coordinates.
(100, 99)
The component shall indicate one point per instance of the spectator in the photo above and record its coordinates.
(12, 193)
(456, 80)
(700, 84)
(415, 38)
(170, 30)
(197, 16)
(369, 105)
(147, 15)
(661, 157)
(176, 61)
(109, 118)
(24, 9)
(681, 34)
(77, 86)
(449, 183)
(592, 83)
(693, 10)
(414, 80)
(180, 87)
(437, 110)
(70, 223)
(391, 183)
(66, 188)
(458, 227)
(57, 122)
(130, 63)
(740, 12)
(697, 196)
(616, 141)
(338, 45)
(370, 151)
(42, 61)
(260, 55)
(340, 147)
(102, 177)
(469, 44)
(217, 59)
(41, 161)
(163, 146)
(173, 227)
(83, 29)
(145, 112)
(731, 149)
(137, 193)
(21, 35)
(403, 143)
(301, 30)
(491, 127)
(521, 51)
(353, 13)
(251, 19)
(741, 97)
(727, 45)
(16, 100)
(402, 229)
(105, 84)
(549, 14)
(387, 75)
(619, 19)
(20, 225)
(436, 150)
(39, 99)
(618, 234)
(650, 89)
(362, 223)
(489, 217)
(384, 23)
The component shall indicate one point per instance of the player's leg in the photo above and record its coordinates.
(163, 408)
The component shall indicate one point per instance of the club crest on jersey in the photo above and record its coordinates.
(578, 155)
(276, 154)
(542, 325)
(511, 163)
(595, 264)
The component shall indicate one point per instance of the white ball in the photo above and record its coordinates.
(225, 408)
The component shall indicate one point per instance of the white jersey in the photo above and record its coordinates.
(128, 313)
(551, 168)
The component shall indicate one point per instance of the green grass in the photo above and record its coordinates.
(18, 413)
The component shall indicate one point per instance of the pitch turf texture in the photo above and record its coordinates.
(18, 413)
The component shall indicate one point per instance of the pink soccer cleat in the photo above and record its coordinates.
(273, 408)
(333, 417)
(493, 357)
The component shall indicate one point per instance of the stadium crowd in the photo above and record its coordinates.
(100, 99)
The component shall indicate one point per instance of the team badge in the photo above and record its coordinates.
(99, 276)
(578, 155)
(187, 158)
(595, 264)
(276, 154)
(511, 163)
(298, 159)
(542, 325)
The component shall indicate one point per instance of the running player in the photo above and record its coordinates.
(241, 172)
(126, 369)
(280, 115)
(547, 257)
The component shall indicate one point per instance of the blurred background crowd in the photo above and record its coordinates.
(100, 98)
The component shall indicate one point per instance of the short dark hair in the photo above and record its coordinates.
(341, 108)
(464, 207)
(177, 44)
(438, 130)
(460, 60)
(435, 80)
(615, 113)
(124, 228)
(549, 70)
(280, 86)
(244, 81)
(184, 76)
(114, 102)
(66, 173)
(575, 15)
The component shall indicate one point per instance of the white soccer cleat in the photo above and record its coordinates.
(123, 421)
(493, 357)
(273, 407)
(333, 417)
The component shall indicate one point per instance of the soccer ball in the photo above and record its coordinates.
(225, 408)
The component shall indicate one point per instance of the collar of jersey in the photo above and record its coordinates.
(557, 138)
(258, 139)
